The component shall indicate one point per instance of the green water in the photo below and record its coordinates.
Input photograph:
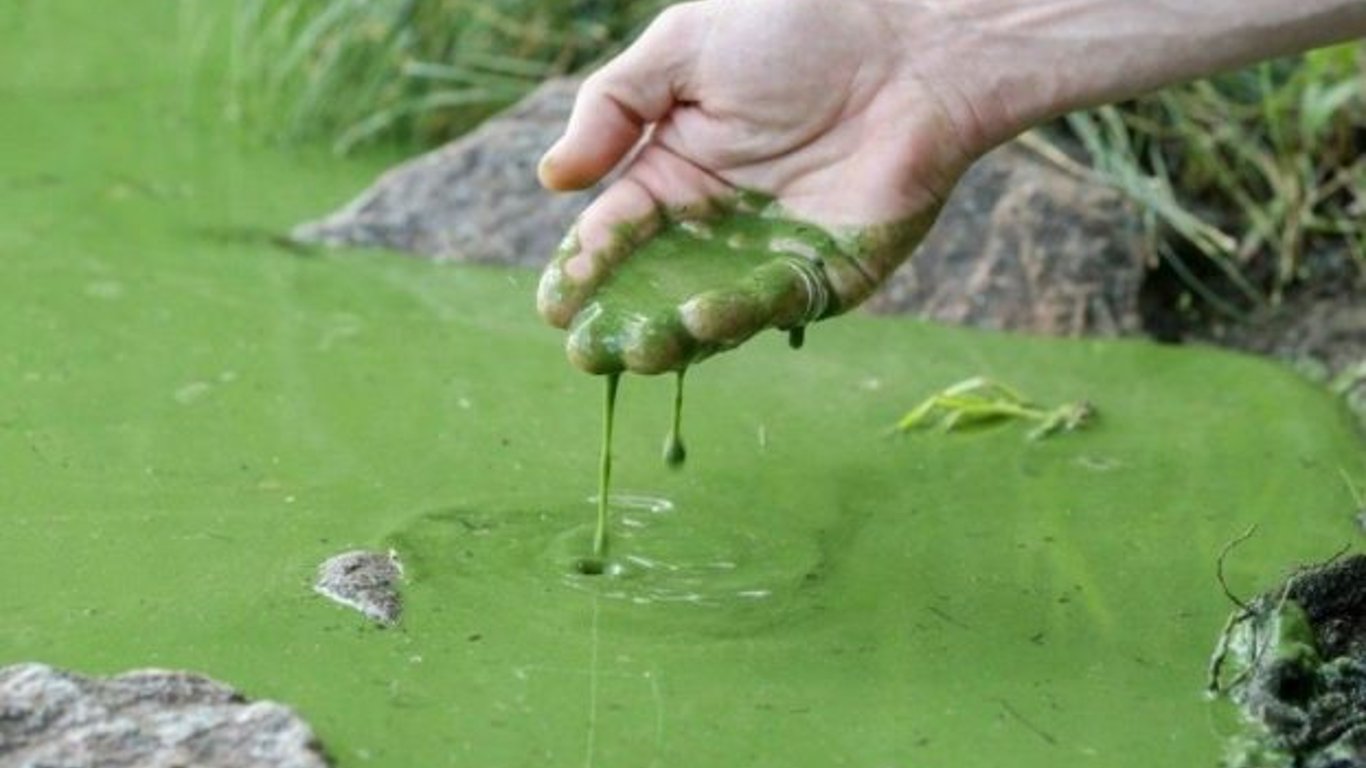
(192, 419)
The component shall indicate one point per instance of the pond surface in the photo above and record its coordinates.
(192, 419)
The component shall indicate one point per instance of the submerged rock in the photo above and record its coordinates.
(1294, 660)
(365, 581)
(151, 718)
(1022, 244)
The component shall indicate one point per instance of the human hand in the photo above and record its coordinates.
(813, 103)
(859, 115)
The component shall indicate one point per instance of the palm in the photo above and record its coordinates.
(806, 105)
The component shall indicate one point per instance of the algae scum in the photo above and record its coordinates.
(190, 423)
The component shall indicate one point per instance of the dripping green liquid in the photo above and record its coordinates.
(674, 451)
(609, 407)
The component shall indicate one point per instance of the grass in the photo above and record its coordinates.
(352, 72)
(1252, 170)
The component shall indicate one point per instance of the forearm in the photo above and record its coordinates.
(1041, 58)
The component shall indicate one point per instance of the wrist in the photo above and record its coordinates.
(1015, 63)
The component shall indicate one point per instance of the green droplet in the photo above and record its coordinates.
(590, 566)
(674, 452)
(796, 337)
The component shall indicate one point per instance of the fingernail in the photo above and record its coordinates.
(545, 169)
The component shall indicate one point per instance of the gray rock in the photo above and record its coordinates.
(1021, 244)
(476, 199)
(1024, 245)
(148, 718)
(365, 581)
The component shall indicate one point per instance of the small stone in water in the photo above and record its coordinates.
(365, 581)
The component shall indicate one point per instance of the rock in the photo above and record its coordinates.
(148, 718)
(1024, 245)
(476, 199)
(365, 581)
(1021, 244)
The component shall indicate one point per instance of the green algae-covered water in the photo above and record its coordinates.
(192, 419)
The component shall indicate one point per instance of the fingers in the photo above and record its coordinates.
(726, 316)
(621, 218)
(619, 101)
(809, 281)
(779, 294)
(606, 341)
(625, 215)
(804, 274)
(607, 338)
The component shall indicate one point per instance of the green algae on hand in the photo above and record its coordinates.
(681, 289)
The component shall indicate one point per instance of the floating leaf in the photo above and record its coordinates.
(980, 400)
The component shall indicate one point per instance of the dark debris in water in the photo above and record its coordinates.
(1294, 661)
(366, 581)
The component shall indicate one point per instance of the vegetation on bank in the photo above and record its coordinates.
(1255, 170)
(1240, 176)
(352, 72)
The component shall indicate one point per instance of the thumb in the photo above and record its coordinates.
(615, 105)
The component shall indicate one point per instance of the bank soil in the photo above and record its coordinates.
(1294, 661)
